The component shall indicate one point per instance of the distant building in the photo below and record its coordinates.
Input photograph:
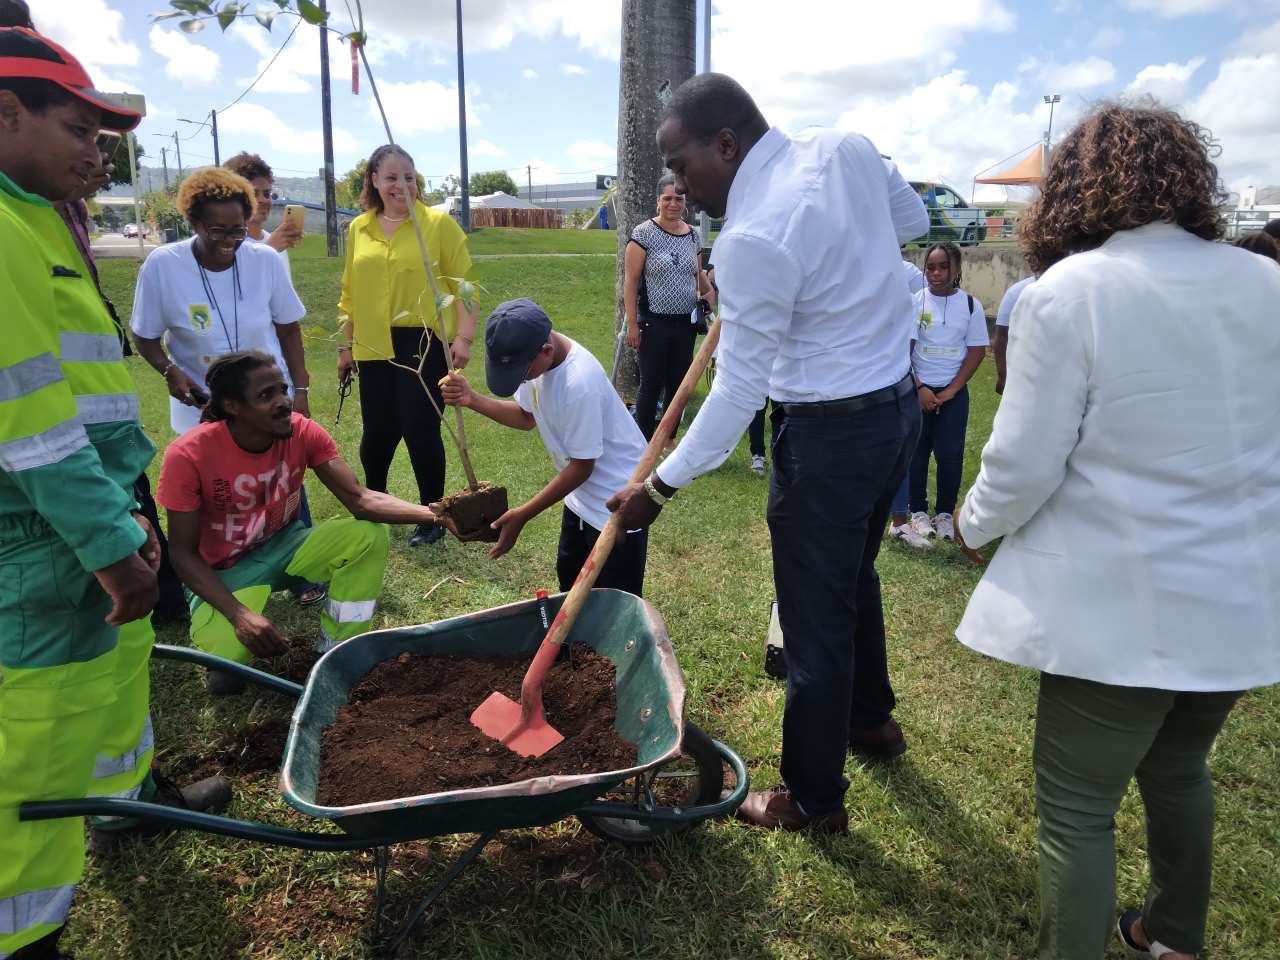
(564, 196)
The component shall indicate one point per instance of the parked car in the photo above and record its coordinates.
(950, 216)
(130, 230)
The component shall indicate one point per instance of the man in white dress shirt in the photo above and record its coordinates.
(812, 302)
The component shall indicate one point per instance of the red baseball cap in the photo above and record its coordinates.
(27, 55)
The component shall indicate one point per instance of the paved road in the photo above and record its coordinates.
(115, 245)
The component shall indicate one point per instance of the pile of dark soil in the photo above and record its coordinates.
(407, 730)
(295, 663)
(468, 513)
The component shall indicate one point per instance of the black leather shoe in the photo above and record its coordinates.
(776, 809)
(879, 743)
(425, 534)
(210, 795)
(223, 683)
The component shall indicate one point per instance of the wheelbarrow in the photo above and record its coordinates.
(675, 784)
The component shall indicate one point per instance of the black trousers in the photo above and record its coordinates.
(755, 432)
(172, 602)
(666, 350)
(832, 483)
(624, 570)
(393, 407)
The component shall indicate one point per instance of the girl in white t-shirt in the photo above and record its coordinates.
(948, 344)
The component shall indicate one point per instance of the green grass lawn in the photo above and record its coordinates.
(940, 861)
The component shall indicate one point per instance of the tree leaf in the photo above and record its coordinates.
(157, 17)
(191, 26)
(282, 4)
(311, 13)
(227, 15)
(266, 17)
(193, 7)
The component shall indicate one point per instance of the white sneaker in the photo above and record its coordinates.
(757, 464)
(908, 536)
(945, 526)
(921, 524)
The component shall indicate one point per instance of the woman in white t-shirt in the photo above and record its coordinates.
(215, 294)
(947, 347)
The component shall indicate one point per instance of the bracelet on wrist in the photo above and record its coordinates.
(654, 494)
(167, 367)
(301, 389)
(342, 350)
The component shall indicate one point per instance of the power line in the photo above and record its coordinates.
(249, 89)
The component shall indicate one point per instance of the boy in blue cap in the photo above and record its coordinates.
(559, 387)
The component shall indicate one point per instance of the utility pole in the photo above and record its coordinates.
(164, 159)
(326, 124)
(529, 172)
(177, 146)
(704, 221)
(462, 127)
(213, 120)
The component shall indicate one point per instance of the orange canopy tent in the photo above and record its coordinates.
(1028, 171)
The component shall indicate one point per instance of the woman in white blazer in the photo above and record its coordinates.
(1134, 473)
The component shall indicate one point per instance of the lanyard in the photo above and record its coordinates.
(208, 292)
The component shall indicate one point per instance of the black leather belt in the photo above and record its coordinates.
(841, 408)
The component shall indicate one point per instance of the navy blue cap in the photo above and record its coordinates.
(513, 335)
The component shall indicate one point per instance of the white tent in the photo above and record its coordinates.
(493, 201)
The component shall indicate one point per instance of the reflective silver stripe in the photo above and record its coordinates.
(27, 910)
(107, 407)
(350, 611)
(90, 347)
(29, 375)
(53, 446)
(106, 766)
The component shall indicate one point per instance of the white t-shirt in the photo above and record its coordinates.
(581, 417)
(284, 254)
(171, 301)
(945, 329)
(911, 273)
(1010, 300)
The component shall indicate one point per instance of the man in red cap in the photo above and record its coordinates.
(76, 562)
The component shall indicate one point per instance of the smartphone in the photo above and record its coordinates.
(295, 214)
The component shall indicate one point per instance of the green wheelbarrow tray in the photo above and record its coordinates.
(617, 625)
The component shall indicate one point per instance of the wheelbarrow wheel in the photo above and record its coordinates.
(694, 777)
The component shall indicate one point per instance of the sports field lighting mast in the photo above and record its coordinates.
(1050, 99)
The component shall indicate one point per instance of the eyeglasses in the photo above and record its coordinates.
(226, 233)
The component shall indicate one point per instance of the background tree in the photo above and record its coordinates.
(492, 182)
(346, 189)
(658, 42)
(122, 172)
(159, 209)
(451, 185)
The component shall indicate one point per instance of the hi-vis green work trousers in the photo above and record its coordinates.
(347, 554)
(58, 675)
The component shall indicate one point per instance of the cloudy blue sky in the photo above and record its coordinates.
(947, 88)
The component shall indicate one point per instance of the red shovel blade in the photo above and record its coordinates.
(499, 717)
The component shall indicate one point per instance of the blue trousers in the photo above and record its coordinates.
(942, 434)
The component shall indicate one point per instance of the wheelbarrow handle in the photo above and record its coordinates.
(164, 651)
(704, 811)
(193, 820)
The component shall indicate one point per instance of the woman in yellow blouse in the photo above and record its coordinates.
(385, 301)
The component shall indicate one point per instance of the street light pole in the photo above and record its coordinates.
(462, 127)
(1051, 99)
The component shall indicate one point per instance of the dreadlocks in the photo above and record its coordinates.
(228, 377)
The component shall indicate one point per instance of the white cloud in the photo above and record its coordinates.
(1080, 75)
(1265, 40)
(572, 70)
(191, 64)
(591, 154)
(485, 148)
(749, 39)
(258, 129)
(1240, 106)
(1167, 82)
(422, 106)
(89, 29)
(528, 73)
(1177, 8)
(929, 131)
(1107, 38)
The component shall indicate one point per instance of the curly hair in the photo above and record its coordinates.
(1263, 244)
(213, 185)
(250, 166)
(1123, 166)
(370, 198)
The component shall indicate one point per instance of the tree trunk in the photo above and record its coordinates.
(658, 54)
